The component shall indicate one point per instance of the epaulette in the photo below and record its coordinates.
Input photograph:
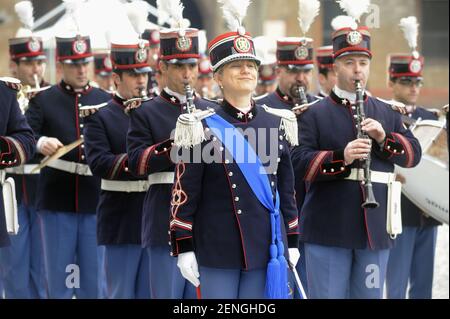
(300, 109)
(135, 103)
(189, 129)
(318, 97)
(12, 83)
(88, 110)
(259, 97)
(288, 123)
(395, 105)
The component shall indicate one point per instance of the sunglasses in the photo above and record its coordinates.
(411, 82)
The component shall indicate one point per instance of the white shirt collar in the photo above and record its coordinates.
(180, 97)
(345, 94)
(322, 92)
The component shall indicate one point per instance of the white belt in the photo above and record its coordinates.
(70, 167)
(375, 176)
(161, 178)
(23, 169)
(124, 186)
(137, 186)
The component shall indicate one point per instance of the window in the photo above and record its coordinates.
(330, 11)
(434, 28)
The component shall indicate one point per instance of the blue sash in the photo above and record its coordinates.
(276, 280)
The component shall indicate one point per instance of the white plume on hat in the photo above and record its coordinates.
(307, 12)
(410, 28)
(354, 8)
(163, 15)
(234, 12)
(202, 41)
(174, 10)
(24, 10)
(342, 21)
(73, 11)
(265, 49)
(137, 12)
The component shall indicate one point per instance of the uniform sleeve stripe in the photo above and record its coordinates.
(22, 158)
(408, 149)
(315, 165)
(178, 223)
(117, 164)
(293, 224)
(144, 159)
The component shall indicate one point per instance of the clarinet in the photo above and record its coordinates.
(190, 107)
(143, 93)
(370, 201)
(302, 95)
(298, 94)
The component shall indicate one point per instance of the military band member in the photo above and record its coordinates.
(343, 240)
(205, 85)
(103, 71)
(22, 262)
(17, 143)
(412, 258)
(220, 229)
(17, 146)
(267, 79)
(67, 198)
(267, 76)
(152, 36)
(326, 74)
(119, 212)
(149, 144)
(295, 71)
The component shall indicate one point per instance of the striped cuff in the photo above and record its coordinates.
(336, 166)
(162, 148)
(406, 149)
(315, 165)
(180, 245)
(12, 152)
(118, 166)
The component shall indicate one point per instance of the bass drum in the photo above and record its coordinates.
(426, 185)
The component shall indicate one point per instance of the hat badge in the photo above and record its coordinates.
(301, 53)
(354, 37)
(34, 45)
(415, 66)
(141, 55)
(80, 46)
(242, 45)
(183, 44)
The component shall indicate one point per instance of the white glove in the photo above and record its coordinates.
(294, 256)
(189, 267)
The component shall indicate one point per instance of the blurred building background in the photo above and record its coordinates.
(277, 18)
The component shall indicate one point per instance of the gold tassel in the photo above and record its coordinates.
(189, 128)
(288, 123)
